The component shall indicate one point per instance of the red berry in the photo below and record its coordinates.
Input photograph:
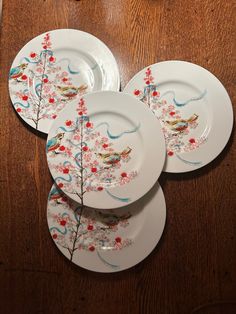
(25, 97)
(51, 59)
(45, 80)
(124, 174)
(44, 47)
(100, 188)
(66, 170)
(54, 116)
(51, 100)
(91, 248)
(54, 236)
(62, 148)
(147, 82)
(148, 71)
(24, 77)
(90, 227)
(18, 109)
(68, 122)
(136, 92)
(170, 153)
(32, 55)
(64, 79)
(118, 239)
(80, 113)
(63, 222)
(60, 185)
(88, 124)
(94, 169)
(105, 145)
(192, 140)
(155, 93)
(85, 148)
(172, 113)
(64, 199)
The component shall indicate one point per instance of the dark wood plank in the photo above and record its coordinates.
(193, 268)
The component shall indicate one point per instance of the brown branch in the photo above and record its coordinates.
(41, 90)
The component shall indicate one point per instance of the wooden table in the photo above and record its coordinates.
(193, 268)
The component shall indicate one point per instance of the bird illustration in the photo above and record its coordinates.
(54, 143)
(180, 125)
(55, 195)
(111, 219)
(71, 91)
(114, 157)
(16, 73)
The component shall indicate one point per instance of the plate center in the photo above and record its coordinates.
(63, 76)
(111, 149)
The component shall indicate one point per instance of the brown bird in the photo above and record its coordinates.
(111, 219)
(114, 157)
(180, 125)
(71, 91)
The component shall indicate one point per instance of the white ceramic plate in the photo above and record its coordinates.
(55, 68)
(193, 107)
(106, 150)
(106, 241)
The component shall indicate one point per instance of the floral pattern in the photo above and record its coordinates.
(176, 128)
(75, 228)
(89, 161)
(40, 88)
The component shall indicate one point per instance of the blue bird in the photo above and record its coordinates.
(54, 142)
(17, 72)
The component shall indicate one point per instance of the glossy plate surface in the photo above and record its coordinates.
(106, 150)
(110, 240)
(193, 107)
(55, 68)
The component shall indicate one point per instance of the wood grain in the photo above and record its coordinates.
(193, 269)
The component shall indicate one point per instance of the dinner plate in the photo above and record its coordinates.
(106, 150)
(55, 68)
(109, 240)
(193, 107)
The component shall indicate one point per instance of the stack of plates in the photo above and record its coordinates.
(106, 149)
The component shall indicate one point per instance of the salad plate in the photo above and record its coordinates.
(193, 108)
(55, 68)
(106, 150)
(109, 240)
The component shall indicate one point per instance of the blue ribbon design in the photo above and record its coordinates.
(22, 105)
(192, 163)
(181, 104)
(58, 230)
(111, 136)
(74, 72)
(121, 199)
(106, 262)
(38, 88)
(63, 179)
